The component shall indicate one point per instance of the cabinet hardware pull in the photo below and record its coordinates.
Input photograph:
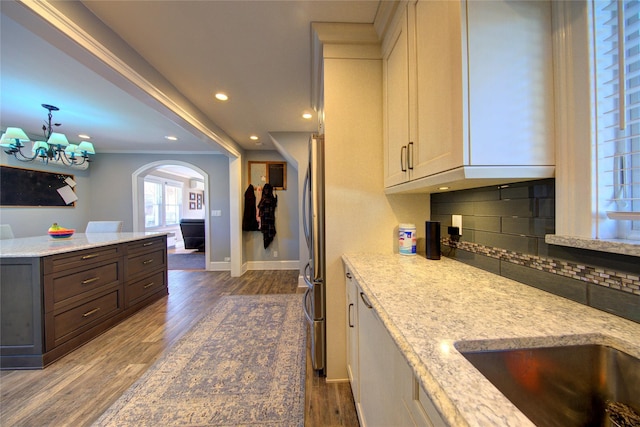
(148, 244)
(349, 276)
(89, 256)
(86, 282)
(350, 324)
(364, 300)
(148, 285)
(90, 312)
(149, 261)
(403, 154)
(410, 156)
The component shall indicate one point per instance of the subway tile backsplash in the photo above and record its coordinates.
(503, 231)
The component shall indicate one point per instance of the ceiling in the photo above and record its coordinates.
(257, 52)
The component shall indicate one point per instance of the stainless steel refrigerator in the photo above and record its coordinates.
(314, 273)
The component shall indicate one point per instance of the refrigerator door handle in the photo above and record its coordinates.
(307, 275)
(305, 305)
(305, 208)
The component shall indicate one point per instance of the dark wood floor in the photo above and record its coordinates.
(76, 389)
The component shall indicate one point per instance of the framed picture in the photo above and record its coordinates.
(274, 173)
(192, 205)
(199, 205)
(199, 198)
(192, 196)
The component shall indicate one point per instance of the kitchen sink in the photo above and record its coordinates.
(582, 385)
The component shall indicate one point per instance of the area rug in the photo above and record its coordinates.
(194, 261)
(241, 365)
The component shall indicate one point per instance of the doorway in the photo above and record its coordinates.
(166, 193)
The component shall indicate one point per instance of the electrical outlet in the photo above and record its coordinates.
(227, 258)
(456, 221)
(275, 254)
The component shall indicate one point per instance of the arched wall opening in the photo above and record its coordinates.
(137, 186)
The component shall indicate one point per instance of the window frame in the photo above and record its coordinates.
(163, 182)
(576, 205)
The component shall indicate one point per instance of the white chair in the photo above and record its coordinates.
(104, 227)
(6, 232)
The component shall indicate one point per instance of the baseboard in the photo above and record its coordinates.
(259, 265)
(337, 380)
(219, 266)
(273, 265)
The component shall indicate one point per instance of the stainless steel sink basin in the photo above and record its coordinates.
(586, 385)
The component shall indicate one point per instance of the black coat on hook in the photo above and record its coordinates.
(267, 213)
(249, 217)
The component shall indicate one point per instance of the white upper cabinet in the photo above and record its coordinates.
(396, 102)
(479, 79)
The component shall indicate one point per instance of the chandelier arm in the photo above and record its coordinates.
(18, 150)
(62, 156)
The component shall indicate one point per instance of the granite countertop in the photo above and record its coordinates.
(40, 246)
(434, 308)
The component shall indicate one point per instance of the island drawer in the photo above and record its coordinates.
(65, 289)
(74, 321)
(145, 263)
(147, 245)
(141, 289)
(62, 262)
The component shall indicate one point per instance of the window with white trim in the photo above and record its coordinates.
(616, 47)
(162, 202)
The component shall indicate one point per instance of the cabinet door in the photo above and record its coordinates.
(396, 99)
(441, 119)
(380, 398)
(510, 83)
(352, 336)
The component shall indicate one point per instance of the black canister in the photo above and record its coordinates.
(433, 239)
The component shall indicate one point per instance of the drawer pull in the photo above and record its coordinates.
(89, 256)
(148, 285)
(148, 244)
(86, 282)
(149, 261)
(90, 312)
(364, 300)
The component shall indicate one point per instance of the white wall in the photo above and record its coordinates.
(286, 241)
(294, 146)
(359, 216)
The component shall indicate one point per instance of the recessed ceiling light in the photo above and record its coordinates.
(221, 96)
(443, 188)
(171, 138)
(254, 138)
(307, 116)
(84, 136)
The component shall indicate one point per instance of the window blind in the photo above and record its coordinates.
(616, 30)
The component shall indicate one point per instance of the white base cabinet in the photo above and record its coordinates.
(385, 389)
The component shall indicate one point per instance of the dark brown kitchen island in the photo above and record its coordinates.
(56, 295)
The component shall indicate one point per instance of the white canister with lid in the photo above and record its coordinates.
(407, 239)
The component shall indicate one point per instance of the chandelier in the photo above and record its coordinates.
(56, 149)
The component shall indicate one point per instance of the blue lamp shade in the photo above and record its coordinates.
(58, 139)
(72, 149)
(15, 137)
(41, 148)
(85, 147)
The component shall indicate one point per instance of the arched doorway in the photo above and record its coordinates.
(138, 179)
